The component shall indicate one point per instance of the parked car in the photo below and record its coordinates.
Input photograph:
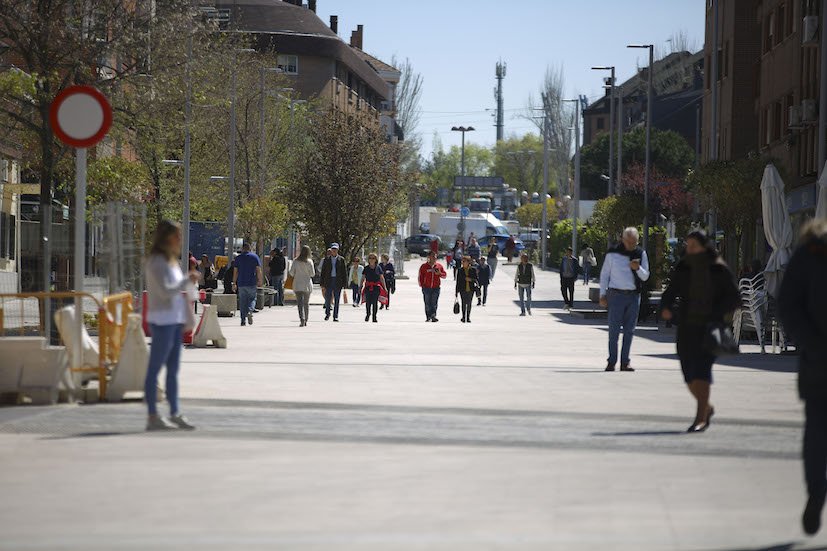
(501, 240)
(420, 244)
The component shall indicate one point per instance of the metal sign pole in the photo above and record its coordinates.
(80, 249)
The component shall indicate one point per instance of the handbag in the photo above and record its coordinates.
(456, 305)
(288, 284)
(720, 340)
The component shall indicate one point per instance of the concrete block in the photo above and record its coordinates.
(42, 373)
(130, 372)
(594, 294)
(225, 304)
(209, 330)
(67, 327)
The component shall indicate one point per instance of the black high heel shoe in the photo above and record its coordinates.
(697, 426)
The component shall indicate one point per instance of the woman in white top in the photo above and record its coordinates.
(302, 272)
(166, 314)
(589, 262)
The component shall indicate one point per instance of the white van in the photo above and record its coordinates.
(447, 225)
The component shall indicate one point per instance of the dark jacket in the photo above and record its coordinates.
(389, 272)
(341, 271)
(575, 265)
(725, 296)
(484, 274)
(472, 273)
(227, 277)
(277, 265)
(802, 304)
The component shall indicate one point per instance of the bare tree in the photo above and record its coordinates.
(550, 101)
(408, 95)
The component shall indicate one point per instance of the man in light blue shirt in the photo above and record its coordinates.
(625, 269)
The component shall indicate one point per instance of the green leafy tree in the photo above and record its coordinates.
(531, 214)
(345, 184)
(519, 160)
(439, 171)
(118, 179)
(670, 154)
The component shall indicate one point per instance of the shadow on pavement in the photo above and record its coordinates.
(750, 360)
(780, 547)
(641, 433)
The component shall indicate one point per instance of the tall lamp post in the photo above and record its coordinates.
(649, 99)
(462, 129)
(611, 88)
(231, 221)
(576, 190)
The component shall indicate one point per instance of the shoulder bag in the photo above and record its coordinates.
(720, 340)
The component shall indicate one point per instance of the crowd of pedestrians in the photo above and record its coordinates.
(701, 298)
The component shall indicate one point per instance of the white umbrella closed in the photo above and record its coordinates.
(821, 205)
(777, 227)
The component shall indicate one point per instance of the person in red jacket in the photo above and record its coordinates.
(431, 275)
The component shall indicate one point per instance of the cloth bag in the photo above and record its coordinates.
(288, 284)
(720, 340)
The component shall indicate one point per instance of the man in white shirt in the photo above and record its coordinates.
(625, 269)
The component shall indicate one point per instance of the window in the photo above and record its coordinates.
(725, 58)
(777, 120)
(780, 23)
(769, 32)
(765, 127)
(289, 64)
(601, 123)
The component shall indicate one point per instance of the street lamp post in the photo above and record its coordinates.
(611, 87)
(462, 129)
(649, 99)
(185, 219)
(576, 213)
(620, 125)
(231, 221)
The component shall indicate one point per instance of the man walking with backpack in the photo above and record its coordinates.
(568, 275)
(625, 269)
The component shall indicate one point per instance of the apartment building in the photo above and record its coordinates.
(318, 63)
(677, 83)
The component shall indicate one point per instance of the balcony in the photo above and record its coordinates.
(345, 99)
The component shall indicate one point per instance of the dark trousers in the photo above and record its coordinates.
(567, 288)
(815, 447)
(277, 282)
(431, 297)
(357, 297)
(484, 288)
(331, 294)
(467, 298)
(371, 301)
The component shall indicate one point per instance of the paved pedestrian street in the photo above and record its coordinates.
(505, 433)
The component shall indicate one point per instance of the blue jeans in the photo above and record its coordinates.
(277, 283)
(247, 302)
(331, 294)
(587, 268)
(165, 350)
(525, 289)
(431, 297)
(357, 297)
(623, 310)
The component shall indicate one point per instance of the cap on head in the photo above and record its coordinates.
(335, 246)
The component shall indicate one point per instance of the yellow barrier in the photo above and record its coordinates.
(113, 314)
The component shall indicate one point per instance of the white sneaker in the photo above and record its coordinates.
(156, 422)
(182, 422)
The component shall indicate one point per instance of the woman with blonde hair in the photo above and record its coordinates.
(167, 303)
(302, 272)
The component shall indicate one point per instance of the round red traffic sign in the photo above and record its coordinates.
(80, 116)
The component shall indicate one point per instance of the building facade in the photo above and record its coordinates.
(318, 63)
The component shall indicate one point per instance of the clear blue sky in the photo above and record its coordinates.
(455, 44)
